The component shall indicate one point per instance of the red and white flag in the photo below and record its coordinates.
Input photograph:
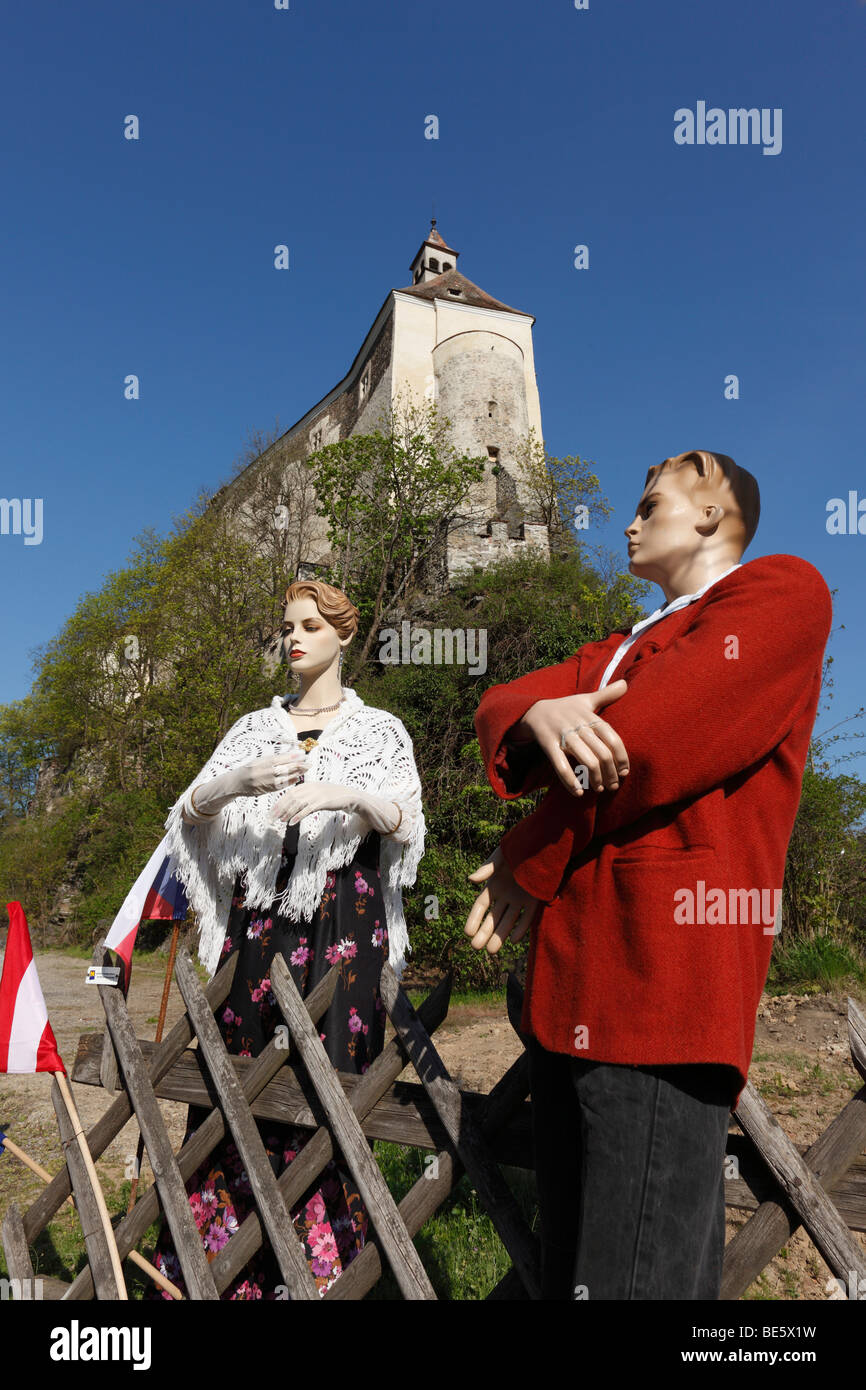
(27, 1042)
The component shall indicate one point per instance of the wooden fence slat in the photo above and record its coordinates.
(109, 1125)
(381, 1207)
(819, 1216)
(109, 1074)
(776, 1220)
(303, 1171)
(492, 1188)
(857, 1036)
(829, 1158)
(426, 1195)
(95, 1240)
(175, 1202)
(17, 1253)
(200, 1144)
(285, 1242)
(404, 1115)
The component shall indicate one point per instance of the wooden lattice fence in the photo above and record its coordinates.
(824, 1189)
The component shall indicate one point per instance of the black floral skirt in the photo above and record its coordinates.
(349, 929)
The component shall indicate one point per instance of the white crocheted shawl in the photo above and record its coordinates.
(361, 747)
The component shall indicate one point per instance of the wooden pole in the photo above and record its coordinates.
(160, 1024)
(136, 1258)
(86, 1155)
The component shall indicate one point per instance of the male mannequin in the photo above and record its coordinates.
(641, 1021)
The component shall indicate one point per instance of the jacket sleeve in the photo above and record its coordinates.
(515, 769)
(714, 702)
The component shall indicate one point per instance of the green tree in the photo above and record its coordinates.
(566, 494)
(390, 499)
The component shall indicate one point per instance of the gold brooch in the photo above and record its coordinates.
(309, 743)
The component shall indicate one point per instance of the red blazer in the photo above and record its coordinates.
(716, 721)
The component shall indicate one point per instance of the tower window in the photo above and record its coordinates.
(491, 409)
(493, 453)
(433, 264)
(316, 439)
(446, 265)
(364, 389)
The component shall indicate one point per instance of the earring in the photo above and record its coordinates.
(295, 676)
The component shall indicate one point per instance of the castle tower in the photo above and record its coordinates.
(443, 338)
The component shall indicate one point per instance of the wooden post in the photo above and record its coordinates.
(99, 1199)
(396, 1241)
(18, 1252)
(424, 1198)
(493, 1190)
(204, 1140)
(284, 1239)
(175, 1201)
(160, 1024)
(110, 1124)
(820, 1217)
(857, 1036)
(150, 1270)
(776, 1219)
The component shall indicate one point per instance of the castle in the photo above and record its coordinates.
(445, 340)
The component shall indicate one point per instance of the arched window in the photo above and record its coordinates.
(434, 264)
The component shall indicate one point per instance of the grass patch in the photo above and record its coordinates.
(59, 1251)
(811, 1080)
(479, 998)
(459, 1247)
(823, 964)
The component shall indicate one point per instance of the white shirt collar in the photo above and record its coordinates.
(682, 601)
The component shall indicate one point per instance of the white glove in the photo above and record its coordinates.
(380, 813)
(257, 778)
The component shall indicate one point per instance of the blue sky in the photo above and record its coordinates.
(306, 126)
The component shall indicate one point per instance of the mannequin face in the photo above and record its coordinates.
(676, 525)
(310, 644)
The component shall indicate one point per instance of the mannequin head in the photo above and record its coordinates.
(319, 622)
(697, 514)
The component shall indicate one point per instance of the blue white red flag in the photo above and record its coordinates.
(157, 894)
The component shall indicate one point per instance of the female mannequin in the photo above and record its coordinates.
(306, 838)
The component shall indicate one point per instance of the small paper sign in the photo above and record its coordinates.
(102, 974)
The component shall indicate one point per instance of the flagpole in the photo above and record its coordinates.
(160, 1024)
(138, 1259)
(97, 1190)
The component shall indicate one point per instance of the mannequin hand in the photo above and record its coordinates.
(378, 811)
(599, 749)
(501, 899)
(302, 800)
(252, 779)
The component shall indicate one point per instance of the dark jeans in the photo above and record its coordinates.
(630, 1169)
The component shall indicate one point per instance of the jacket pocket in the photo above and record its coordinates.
(659, 900)
(667, 855)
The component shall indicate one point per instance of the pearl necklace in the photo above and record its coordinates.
(323, 709)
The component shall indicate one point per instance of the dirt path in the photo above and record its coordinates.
(801, 1065)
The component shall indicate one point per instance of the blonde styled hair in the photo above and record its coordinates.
(333, 605)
